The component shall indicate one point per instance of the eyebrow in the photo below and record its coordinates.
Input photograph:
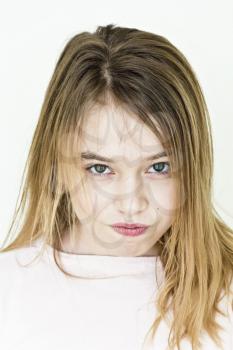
(91, 155)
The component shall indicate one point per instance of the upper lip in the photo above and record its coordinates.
(123, 224)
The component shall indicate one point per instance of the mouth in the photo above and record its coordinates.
(130, 229)
(124, 224)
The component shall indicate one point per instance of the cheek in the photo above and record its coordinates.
(163, 196)
(88, 200)
(81, 198)
(80, 204)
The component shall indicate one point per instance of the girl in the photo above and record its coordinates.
(120, 246)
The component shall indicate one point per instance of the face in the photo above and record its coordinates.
(126, 187)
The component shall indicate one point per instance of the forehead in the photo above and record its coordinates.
(113, 131)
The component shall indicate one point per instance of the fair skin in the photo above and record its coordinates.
(130, 189)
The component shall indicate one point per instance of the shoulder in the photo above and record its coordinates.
(7, 261)
(9, 274)
(19, 268)
(11, 262)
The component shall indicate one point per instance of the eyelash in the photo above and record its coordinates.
(103, 165)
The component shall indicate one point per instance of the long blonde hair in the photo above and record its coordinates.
(148, 75)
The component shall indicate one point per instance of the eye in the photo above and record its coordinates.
(99, 169)
(159, 168)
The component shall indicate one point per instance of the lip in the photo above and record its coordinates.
(130, 229)
(123, 224)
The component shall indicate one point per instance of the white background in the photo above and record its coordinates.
(33, 33)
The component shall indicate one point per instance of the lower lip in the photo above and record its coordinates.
(130, 231)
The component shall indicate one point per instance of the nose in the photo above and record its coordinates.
(131, 199)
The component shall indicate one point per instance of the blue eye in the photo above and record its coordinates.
(100, 169)
(158, 167)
